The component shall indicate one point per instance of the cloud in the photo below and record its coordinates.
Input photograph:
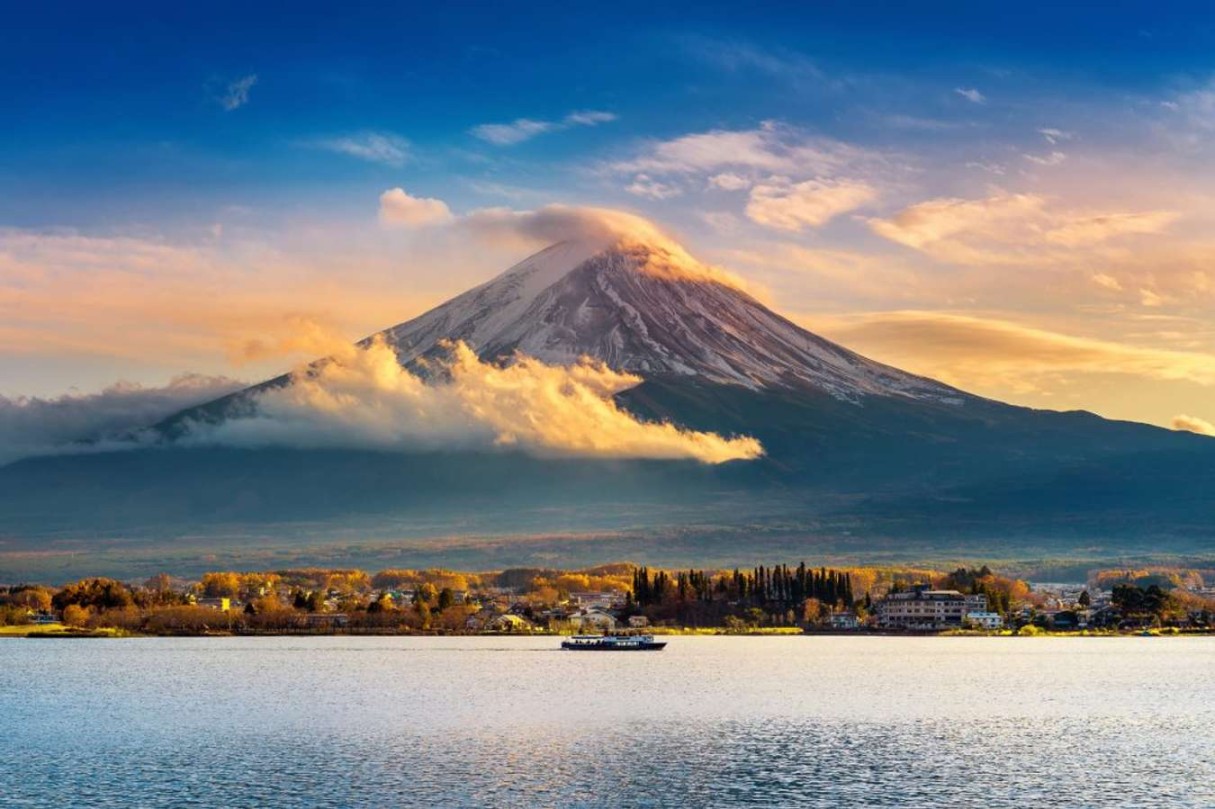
(1193, 424)
(771, 149)
(522, 129)
(1195, 108)
(561, 223)
(77, 304)
(1108, 281)
(362, 397)
(928, 224)
(1053, 136)
(517, 131)
(589, 118)
(1012, 228)
(644, 186)
(1098, 229)
(729, 181)
(1051, 159)
(736, 57)
(784, 205)
(374, 147)
(79, 422)
(971, 94)
(400, 210)
(236, 94)
(970, 351)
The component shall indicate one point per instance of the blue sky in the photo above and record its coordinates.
(952, 187)
(116, 112)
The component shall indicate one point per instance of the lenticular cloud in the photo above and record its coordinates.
(363, 397)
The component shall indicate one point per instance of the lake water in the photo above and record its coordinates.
(439, 722)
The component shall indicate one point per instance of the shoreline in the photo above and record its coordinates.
(60, 632)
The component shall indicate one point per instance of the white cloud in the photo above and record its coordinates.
(772, 148)
(1053, 136)
(729, 181)
(1193, 424)
(516, 131)
(236, 94)
(106, 420)
(522, 129)
(400, 210)
(644, 186)
(784, 205)
(1052, 159)
(971, 94)
(374, 147)
(589, 118)
(364, 398)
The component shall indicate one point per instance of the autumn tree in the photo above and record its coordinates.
(220, 584)
(99, 594)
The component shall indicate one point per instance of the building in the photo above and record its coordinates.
(593, 620)
(510, 623)
(589, 600)
(843, 620)
(922, 608)
(983, 620)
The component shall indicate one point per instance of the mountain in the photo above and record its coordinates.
(853, 448)
(646, 308)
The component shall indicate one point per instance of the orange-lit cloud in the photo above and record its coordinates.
(970, 351)
(1193, 424)
(785, 205)
(400, 210)
(1013, 228)
(363, 397)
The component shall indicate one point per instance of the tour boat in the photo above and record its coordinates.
(613, 643)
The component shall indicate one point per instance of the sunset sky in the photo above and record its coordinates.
(1023, 210)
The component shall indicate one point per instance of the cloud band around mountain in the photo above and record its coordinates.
(362, 397)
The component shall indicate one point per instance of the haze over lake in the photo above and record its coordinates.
(479, 721)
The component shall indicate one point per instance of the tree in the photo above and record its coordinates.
(160, 583)
(221, 585)
(1085, 600)
(75, 615)
(32, 598)
(99, 594)
(446, 598)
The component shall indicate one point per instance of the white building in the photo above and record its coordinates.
(921, 608)
(593, 620)
(984, 620)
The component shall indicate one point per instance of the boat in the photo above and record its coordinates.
(613, 643)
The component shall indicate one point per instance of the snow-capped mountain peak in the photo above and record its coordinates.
(648, 307)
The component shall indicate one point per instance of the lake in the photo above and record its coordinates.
(514, 722)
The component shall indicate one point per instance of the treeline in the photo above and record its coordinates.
(777, 586)
(1002, 592)
(763, 596)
